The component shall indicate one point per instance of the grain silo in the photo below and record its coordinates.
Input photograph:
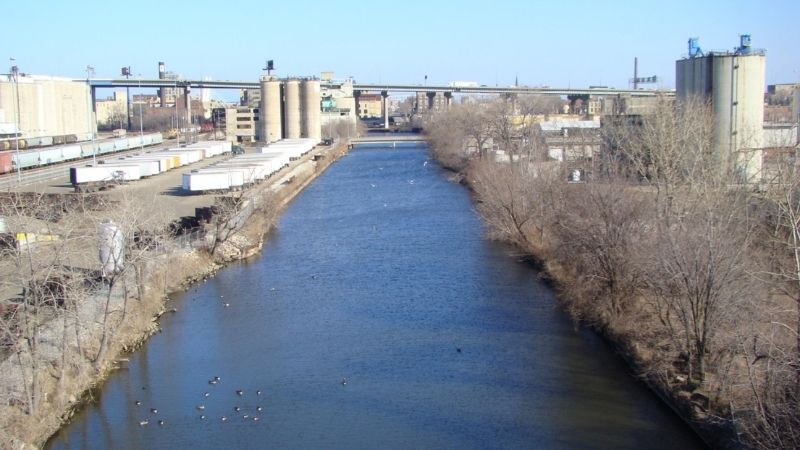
(270, 110)
(292, 109)
(311, 121)
(733, 82)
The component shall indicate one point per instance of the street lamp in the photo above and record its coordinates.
(15, 77)
(90, 112)
(177, 123)
(126, 72)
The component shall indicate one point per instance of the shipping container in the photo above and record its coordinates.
(146, 167)
(206, 180)
(103, 173)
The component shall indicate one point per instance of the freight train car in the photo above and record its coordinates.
(67, 150)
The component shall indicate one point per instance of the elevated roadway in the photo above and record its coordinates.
(201, 84)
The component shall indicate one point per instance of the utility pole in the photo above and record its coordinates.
(15, 76)
(90, 111)
(141, 121)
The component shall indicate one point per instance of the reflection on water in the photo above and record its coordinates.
(378, 316)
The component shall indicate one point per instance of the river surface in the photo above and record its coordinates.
(378, 316)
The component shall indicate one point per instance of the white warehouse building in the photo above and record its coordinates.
(48, 106)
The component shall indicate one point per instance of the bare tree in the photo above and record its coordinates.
(474, 123)
(601, 234)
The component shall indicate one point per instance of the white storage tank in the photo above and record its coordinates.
(733, 82)
(112, 248)
(292, 108)
(311, 101)
(270, 113)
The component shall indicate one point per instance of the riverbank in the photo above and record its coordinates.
(691, 405)
(75, 352)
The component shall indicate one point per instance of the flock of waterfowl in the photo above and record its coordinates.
(241, 411)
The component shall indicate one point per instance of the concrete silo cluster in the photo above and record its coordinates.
(290, 109)
(733, 83)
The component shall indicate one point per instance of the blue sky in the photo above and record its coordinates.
(556, 43)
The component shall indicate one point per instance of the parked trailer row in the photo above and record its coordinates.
(11, 160)
(146, 164)
(243, 170)
(295, 148)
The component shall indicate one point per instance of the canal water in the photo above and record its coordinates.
(378, 316)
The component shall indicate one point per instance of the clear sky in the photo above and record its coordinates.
(555, 43)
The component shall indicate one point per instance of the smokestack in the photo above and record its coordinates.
(162, 74)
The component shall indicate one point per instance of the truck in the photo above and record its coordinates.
(463, 84)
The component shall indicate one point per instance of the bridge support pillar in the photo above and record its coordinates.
(577, 103)
(429, 104)
(448, 100)
(385, 109)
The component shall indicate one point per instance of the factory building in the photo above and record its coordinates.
(733, 83)
(48, 106)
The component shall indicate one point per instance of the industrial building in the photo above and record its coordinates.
(240, 123)
(338, 104)
(370, 106)
(33, 106)
(733, 82)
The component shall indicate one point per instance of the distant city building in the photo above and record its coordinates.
(782, 103)
(250, 97)
(111, 111)
(370, 105)
(338, 104)
(167, 96)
